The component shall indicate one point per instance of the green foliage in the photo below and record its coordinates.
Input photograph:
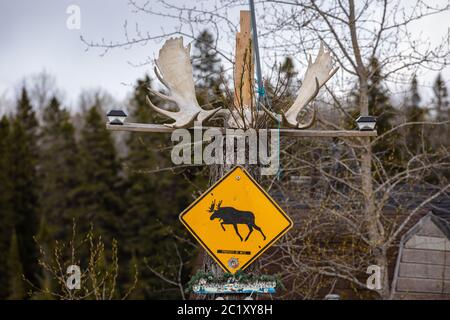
(15, 270)
(441, 108)
(380, 106)
(208, 70)
(414, 113)
(6, 208)
(59, 168)
(23, 155)
(98, 194)
(154, 199)
(441, 101)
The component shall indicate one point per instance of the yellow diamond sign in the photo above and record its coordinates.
(235, 220)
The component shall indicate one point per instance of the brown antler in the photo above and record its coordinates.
(219, 204)
(317, 74)
(175, 73)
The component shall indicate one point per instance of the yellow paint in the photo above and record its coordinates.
(238, 190)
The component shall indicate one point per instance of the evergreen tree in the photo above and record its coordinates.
(440, 100)
(379, 100)
(45, 239)
(23, 175)
(283, 90)
(59, 169)
(380, 107)
(26, 115)
(15, 271)
(441, 106)
(414, 113)
(59, 176)
(154, 200)
(6, 210)
(98, 194)
(208, 70)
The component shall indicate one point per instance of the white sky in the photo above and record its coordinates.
(34, 37)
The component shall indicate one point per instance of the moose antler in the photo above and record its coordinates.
(175, 73)
(317, 74)
(219, 204)
(211, 207)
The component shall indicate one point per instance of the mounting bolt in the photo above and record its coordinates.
(238, 178)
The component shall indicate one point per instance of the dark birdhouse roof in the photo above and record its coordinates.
(366, 119)
(116, 113)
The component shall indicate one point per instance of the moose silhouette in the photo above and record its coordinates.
(230, 215)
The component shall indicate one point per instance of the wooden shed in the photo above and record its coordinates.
(422, 270)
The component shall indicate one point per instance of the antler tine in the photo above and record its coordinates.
(174, 70)
(219, 204)
(316, 76)
(271, 114)
(182, 120)
(161, 95)
(211, 207)
(167, 113)
(297, 124)
(160, 78)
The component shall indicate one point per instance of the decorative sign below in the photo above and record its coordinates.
(235, 220)
(203, 287)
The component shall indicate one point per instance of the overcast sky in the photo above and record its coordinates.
(34, 37)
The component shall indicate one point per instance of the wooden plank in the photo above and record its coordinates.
(422, 285)
(159, 128)
(243, 65)
(425, 256)
(430, 243)
(426, 271)
(140, 127)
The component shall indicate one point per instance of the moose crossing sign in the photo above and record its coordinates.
(235, 220)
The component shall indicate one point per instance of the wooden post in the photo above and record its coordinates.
(243, 97)
(243, 64)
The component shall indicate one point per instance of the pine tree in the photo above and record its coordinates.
(23, 174)
(283, 89)
(45, 238)
(208, 70)
(380, 106)
(6, 210)
(440, 100)
(414, 113)
(59, 168)
(441, 106)
(379, 101)
(153, 200)
(26, 115)
(99, 192)
(15, 270)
